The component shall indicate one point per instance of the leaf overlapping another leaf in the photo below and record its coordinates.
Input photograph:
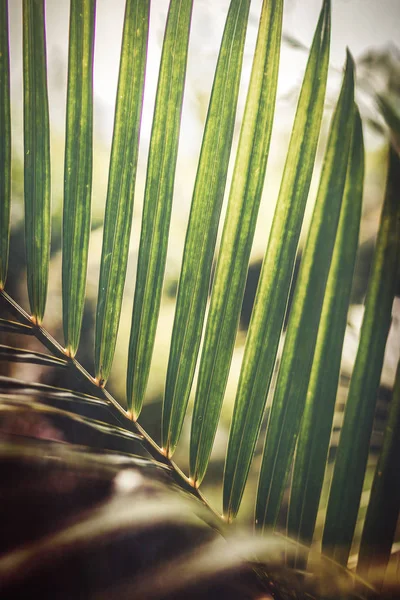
(294, 370)
(203, 225)
(276, 274)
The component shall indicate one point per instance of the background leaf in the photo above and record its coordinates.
(384, 505)
(230, 275)
(294, 370)
(315, 431)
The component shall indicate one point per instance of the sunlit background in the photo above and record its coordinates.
(370, 28)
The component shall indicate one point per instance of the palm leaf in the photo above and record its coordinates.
(78, 169)
(37, 157)
(203, 225)
(313, 443)
(294, 371)
(237, 238)
(269, 309)
(384, 506)
(158, 201)
(14, 327)
(121, 184)
(113, 499)
(352, 454)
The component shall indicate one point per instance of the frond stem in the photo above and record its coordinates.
(123, 416)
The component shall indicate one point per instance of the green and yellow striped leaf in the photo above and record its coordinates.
(78, 168)
(294, 371)
(158, 200)
(121, 183)
(269, 309)
(37, 156)
(315, 431)
(203, 225)
(237, 238)
(352, 453)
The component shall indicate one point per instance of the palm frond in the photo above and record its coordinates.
(87, 489)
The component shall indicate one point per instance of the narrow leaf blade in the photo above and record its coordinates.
(294, 372)
(5, 143)
(384, 504)
(269, 309)
(37, 156)
(203, 225)
(29, 356)
(315, 431)
(158, 200)
(237, 238)
(15, 327)
(121, 184)
(352, 453)
(77, 169)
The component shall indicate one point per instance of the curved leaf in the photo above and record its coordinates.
(352, 453)
(77, 169)
(15, 327)
(237, 238)
(158, 200)
(77, 428)
(28, 356)
(315, 431)
(269, 308)
(203, 225)
(121, 183)
(294, 371)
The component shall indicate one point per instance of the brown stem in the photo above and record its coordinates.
(123, 416)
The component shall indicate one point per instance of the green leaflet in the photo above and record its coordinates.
(268, 313)
(291, 388)
(237, 238)
(5, 142)
(78, 168)
(203, 225)
(352, 453)
(315, 431)
(384, 505)
(37, 156)
(121, 183)
(158, 200)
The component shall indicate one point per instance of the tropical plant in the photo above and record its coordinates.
(112, 494)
